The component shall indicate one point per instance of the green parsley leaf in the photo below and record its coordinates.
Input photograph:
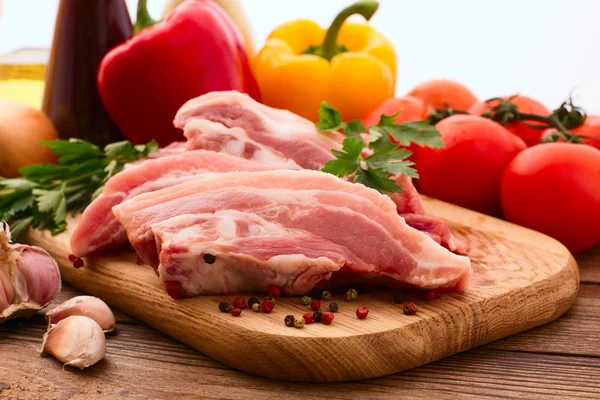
(47, 192)
(419, 132)
(392, 160)
(353, 128)
(348, 160)
(377, 179)
(330, 119)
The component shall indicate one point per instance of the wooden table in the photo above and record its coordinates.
(560, 359)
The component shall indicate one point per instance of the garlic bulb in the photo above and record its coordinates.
(77, 341)
(87, 306)
(29, 278)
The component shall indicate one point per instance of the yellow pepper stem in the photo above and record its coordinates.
(329, 48)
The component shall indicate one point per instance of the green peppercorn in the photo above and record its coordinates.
(333, 307)
(224, 307)
(271, 299)
(326, 295)
(306, 300)
(316, 292)
(256, 307)
(251, 301)
(352, 295)
(299, 323)
(317, 316)
(398, 298)
(289, 320)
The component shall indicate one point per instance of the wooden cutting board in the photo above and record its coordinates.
(521, 279)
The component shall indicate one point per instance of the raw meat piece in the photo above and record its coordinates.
(99, 230)
(376, 240)
(246, 250)
(239, 116)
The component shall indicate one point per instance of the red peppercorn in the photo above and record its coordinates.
(431, 295)
(410, 308)
(239, 302)
(236, 312)
(273, 291)
(267, 306)
(362, 312)
(77, 262)
(308, 318)
(316, 305)
(327, 317)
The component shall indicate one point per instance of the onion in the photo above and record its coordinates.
(21, 130)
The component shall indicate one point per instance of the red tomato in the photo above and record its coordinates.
(554, 188)
(591, 129)
(441, 93)
(531, 136)
(410, 108)
(468, 170)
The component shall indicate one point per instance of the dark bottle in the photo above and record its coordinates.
(85, 31)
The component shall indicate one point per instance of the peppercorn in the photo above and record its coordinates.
(430, 295)
(271, 299)
(308, 318)
(256, 307)
(236, 312)
(273, 291)
(306, 300)
(299, 323)
(398, 298)
(267, 306)
(317, 315)
(327, 318)
(352, 295)
(333, 307)
(316, 305)
(252, 301)
(326, 295)
(316, 292)
(224, 306)
(239, 302)
(362, 312)
(289, 320)
(209, 259)
(410, 308)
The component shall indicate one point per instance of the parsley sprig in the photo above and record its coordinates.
(385, 158)
(46, 192)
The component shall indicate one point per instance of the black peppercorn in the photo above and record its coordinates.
(316, 292)
(271, 299)
(224, 307)
(317, 315)
(306, 300)
(352, 295)
(398, 298)
(209, 259)
(326, 295)
(252, 300)
(333, 307)
(289, 320)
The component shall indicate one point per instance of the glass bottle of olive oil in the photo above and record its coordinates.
(22, 75)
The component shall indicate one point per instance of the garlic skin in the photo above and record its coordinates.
(88, 306)
(29, 278)
(77, 341)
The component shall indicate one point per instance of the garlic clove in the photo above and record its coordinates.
(88, 306)
(29, 278)
(77, 341)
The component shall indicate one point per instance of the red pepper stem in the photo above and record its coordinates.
(143, 19)
(366, 8)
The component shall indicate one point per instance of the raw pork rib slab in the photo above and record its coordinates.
(374, 240)
(236, 121)
(98, 228)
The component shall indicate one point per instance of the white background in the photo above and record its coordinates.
(541, 48)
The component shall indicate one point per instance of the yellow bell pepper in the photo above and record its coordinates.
(351, 65)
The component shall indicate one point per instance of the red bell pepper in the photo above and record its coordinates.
(196, 49)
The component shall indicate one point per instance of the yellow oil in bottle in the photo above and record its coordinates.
(22, 75)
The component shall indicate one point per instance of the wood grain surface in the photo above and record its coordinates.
(558, 360)
(522, 279)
